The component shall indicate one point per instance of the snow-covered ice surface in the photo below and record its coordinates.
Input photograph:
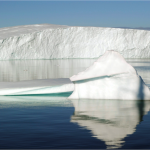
(47, 86)
(110, 121)
(25, 29)
(56, 41)
(110, 77)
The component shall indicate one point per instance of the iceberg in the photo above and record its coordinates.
(46, 41)
(110, 77)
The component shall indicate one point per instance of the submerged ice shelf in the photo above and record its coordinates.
(48, 41)
(47, 86)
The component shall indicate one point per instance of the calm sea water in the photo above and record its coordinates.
(50, 122)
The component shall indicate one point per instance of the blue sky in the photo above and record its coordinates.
(75, 13)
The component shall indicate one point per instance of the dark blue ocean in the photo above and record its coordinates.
(54, 122)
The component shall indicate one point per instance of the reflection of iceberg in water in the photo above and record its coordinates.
(110, 120)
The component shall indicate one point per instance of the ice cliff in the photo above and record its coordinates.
(55, 41)
(110, 77)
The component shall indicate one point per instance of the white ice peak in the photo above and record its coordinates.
(110, 64)
(110, 77)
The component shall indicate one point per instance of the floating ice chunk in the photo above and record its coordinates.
(110, 77)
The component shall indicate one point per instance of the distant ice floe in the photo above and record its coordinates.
(110, 77)
(48, 41)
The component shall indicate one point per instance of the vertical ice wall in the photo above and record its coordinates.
(54, 41)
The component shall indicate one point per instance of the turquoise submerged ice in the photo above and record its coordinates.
(110, 77)
(34, 87)
(48, 41)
